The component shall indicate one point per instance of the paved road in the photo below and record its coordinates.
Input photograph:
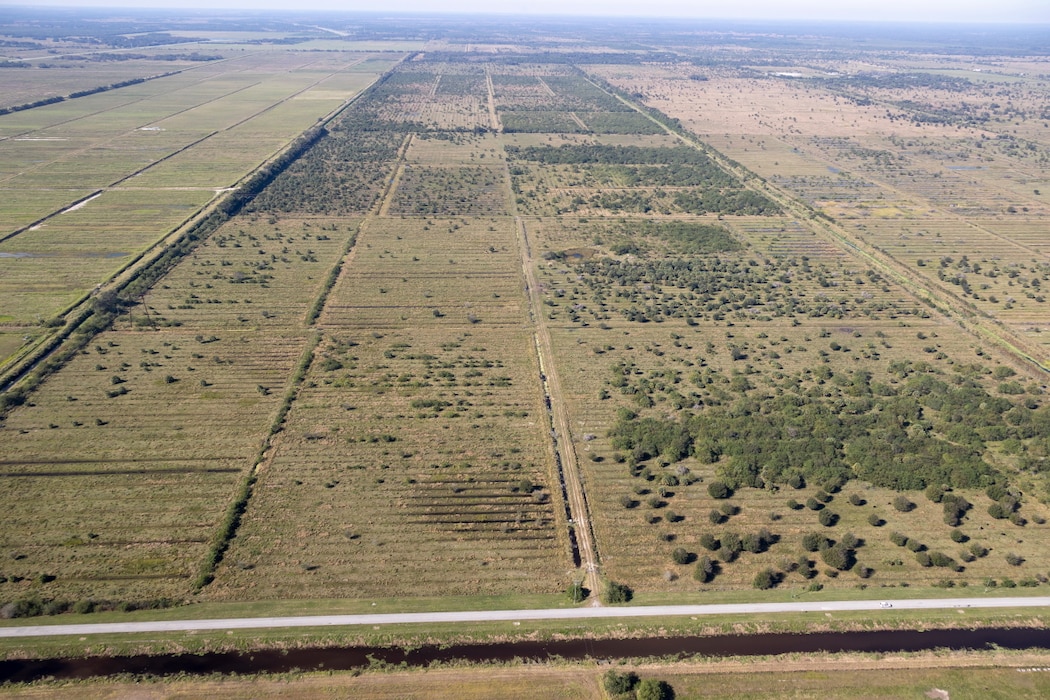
(518, 615)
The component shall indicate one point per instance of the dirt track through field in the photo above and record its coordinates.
(581, 534)
(493, 118)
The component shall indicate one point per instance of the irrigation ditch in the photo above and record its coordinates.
(535, 651)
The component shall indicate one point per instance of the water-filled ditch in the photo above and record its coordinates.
(280, 661)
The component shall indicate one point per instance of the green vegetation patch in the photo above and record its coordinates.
(540, 123)
(926, 431)
(620, 123)
(629, 179)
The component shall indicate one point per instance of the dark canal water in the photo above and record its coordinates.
(359, 657)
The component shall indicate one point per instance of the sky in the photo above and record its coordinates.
(868, 10)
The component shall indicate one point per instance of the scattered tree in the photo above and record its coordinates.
(618, 683)
(705, 570)
(764, 579)
(902, 504)
(718, 489)
(616, 593)
(653, 689)
(682, 556)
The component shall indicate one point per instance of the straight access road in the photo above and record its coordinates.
(582, 613)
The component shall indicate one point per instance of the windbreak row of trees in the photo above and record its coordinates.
(604, 154)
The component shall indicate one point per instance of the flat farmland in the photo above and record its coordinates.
(116, 486)
(1007, 280)
(254, 274)
(435, 271)
(443, 190)
(58, 261)
(610, 364)
(178, 398)
(415, 459)
(64, 139)
(462, 149)
(778, 328)
(620, 177)
(159, 150)
(34, 83)
(417, 467)
(127, 107)
(902, 155)
(417, 96)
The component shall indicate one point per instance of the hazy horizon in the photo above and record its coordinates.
(946, 11)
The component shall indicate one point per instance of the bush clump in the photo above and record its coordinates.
(719, 490)
(616, 593)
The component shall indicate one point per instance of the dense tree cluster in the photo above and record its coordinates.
(343, 173)
(715, 286)
(590, 154)
(926, 431)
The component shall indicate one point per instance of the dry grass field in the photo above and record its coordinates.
(816, 288)
(414, 460)
(119, 472)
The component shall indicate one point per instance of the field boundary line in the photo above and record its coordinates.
(548, 88)
(387, 199)
(582, 541)
(576, 118)
(235, 511)
(493, 115)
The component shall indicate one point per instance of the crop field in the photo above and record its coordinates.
(458, 268)
(749, 324)
(30, 84)
(52, 264)
(154, 153)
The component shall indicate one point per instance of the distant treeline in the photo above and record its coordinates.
(608, 155)
(100, 57)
